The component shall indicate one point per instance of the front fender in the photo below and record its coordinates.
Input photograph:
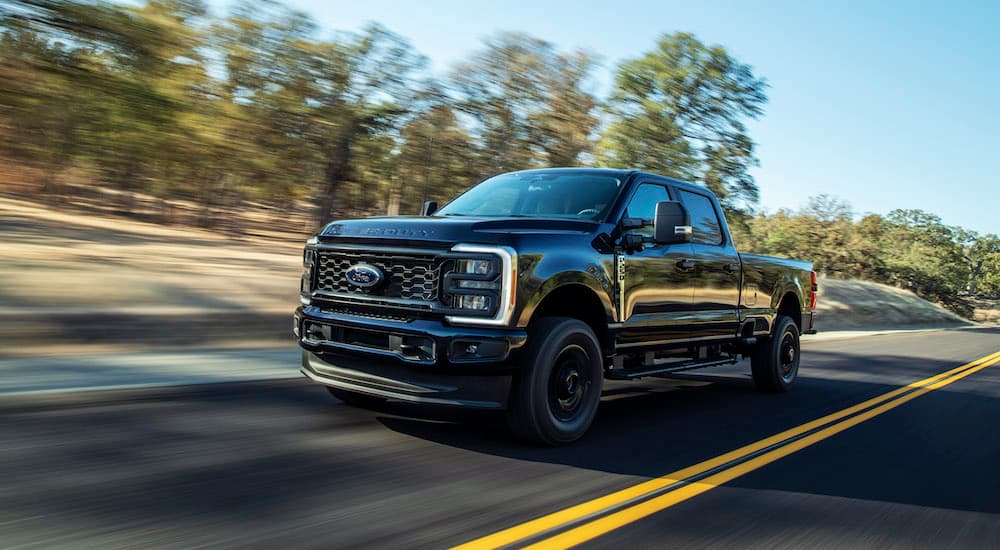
(536, 289)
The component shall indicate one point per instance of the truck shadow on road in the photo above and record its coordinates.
(654, 427)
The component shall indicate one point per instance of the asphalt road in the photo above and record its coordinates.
(283, 464)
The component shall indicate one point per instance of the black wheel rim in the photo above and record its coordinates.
(788, 356)
(569, 383)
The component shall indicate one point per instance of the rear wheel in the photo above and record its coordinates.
(555, 398)
(775, 361)
(356, 399)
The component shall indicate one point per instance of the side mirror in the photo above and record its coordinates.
(672, 223)
(428, 208)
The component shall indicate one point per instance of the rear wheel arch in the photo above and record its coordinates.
(790, 307)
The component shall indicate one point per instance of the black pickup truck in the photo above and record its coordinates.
(531, 288)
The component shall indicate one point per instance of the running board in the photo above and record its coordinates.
(622, 374)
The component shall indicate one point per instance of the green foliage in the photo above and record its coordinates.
(680, 110)
(528, 102)
(163, 99)
(910, 249)
(984, 265)
(437, 158)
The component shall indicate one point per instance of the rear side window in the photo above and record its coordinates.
(704, 220)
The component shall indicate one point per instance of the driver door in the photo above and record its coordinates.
(658, 290)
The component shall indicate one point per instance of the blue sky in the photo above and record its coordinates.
(884, 104)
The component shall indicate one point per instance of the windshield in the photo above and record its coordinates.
(539, 195)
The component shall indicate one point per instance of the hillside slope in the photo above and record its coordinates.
(864, 305)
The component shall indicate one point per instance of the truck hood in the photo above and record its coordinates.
(447, 230)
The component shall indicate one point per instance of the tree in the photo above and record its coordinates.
(984, 264)
(924, 255)
(529, 103)
(681, 109)
(567, 119)
(436, 159)
(115, 88)
(364, 87)
(824, 232)
(265, 114)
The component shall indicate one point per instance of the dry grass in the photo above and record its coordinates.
(986, 310)
(863, 305)
(68, 277)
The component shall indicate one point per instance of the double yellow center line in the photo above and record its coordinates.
(591, 519)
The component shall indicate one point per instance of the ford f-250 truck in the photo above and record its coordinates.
(531, 288)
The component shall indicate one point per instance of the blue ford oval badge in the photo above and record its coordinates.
(363, 275)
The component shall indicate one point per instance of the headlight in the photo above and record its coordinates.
(308, 262)
(472, 302)
(477, 267)
(473, 284)
(480, 284)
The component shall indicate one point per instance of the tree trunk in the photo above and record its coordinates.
(336, 172)
(392, 203)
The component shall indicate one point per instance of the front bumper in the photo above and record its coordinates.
(419, 361)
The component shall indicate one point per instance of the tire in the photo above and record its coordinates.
(555, 397)
(355, 399)
(775, 360)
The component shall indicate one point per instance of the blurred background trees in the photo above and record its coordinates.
(206, 116)
(911, 249)
(680, 110)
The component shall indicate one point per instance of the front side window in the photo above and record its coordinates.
(538, 194)
(704, 220)
(643, 203)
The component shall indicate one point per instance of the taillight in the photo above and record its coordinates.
(812, 291)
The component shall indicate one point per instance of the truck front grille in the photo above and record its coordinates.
(407, 277)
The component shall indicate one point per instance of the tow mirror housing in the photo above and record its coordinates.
(672, 224)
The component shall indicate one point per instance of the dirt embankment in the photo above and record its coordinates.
(863, 305)
(70, 281)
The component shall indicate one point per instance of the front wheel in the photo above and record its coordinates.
(554, 399)
(775, 361)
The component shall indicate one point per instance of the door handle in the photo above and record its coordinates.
(685, 264)
(732, 268)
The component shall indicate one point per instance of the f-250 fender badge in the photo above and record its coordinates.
(620, 285)
(363, 275)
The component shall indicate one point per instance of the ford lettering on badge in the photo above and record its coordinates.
(363, 275)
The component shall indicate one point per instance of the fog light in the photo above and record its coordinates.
(475, 302)
(468, 351)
